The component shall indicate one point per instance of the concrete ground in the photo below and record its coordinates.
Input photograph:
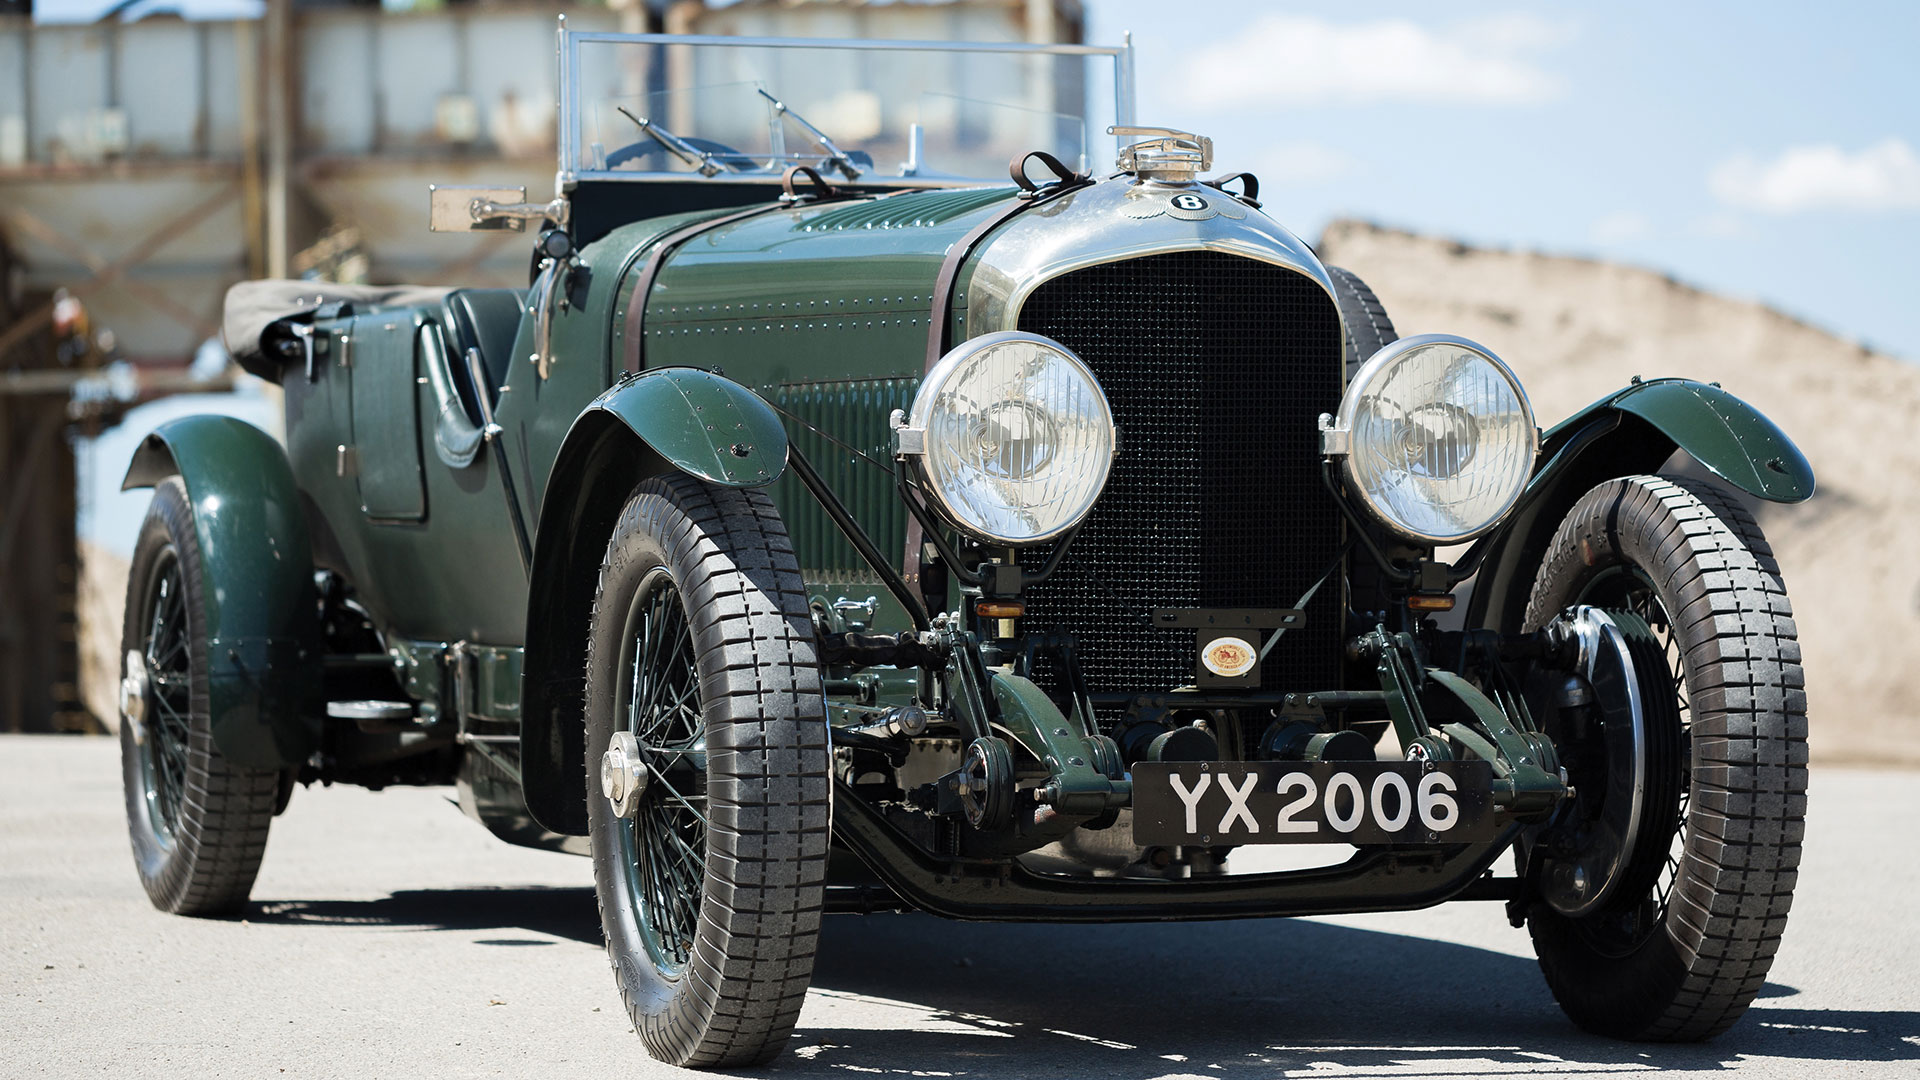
(391, 937)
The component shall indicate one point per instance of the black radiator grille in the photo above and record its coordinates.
(1217, 368)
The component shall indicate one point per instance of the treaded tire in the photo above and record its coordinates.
(767, 782)
(1698, 967)
(1368, 328)
(204, 860)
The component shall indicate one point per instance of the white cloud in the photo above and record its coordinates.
(1301, 58)
(1884, 176)
(1619, 227)
(1303, 163)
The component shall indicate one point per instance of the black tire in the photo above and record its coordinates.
(198, 823)
(723, 987)
(1368, 328)
(1683, 961)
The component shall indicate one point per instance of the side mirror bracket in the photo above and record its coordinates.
(461, 208)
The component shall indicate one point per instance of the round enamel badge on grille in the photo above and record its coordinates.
(1229, 657)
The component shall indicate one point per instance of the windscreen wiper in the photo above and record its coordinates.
(708, 164)
(835, 157)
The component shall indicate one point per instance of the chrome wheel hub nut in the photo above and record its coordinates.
(623, 773)
(133, 696)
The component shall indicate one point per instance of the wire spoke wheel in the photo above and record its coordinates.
(169, 703)
(1684, 945)
(707, 772)
(665, 839)
(198, 823)
(1627, 925)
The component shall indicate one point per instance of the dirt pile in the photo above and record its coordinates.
(1574, 329)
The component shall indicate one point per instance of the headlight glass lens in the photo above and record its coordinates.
(1442, 438)
(1019, 437)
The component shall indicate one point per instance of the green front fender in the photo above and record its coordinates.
(701, 423)
(256, 565)
(1631, 431)
(663, 418)
(1734, 440)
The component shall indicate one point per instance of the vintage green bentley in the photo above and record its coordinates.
(827, 529)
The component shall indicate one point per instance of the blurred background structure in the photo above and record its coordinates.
(1766, 156)
(146, 165)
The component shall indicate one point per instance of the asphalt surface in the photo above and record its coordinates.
(391, 937)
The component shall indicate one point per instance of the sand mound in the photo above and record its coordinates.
(1574, 329)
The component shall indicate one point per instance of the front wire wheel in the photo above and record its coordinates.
(1681, 955)
(710, 819)
(663, 842)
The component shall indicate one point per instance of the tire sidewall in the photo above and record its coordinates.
(768, 778)
(635, 552)
(1590, 982)
(164, 864)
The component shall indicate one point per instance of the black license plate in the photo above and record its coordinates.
(1327, 802)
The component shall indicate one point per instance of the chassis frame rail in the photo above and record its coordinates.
(1005, 891)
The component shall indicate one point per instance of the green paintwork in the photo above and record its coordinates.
(1640, 426)
(1730, 437)
(386, 428)
(793, 294)
(834, 424)
(1525, 771)
(1031, 717)
(256, 572)
(702, 424)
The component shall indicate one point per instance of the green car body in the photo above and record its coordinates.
(430, 539)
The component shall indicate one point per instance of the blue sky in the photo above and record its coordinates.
(1766, 150)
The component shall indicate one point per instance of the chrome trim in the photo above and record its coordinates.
(914, 432)
(623, 773)
(1111, 221)
(133, 696)
(1166, 154)
(1341, 430)
(773, 180)
(1577, 884)
(567, 56)
(540, 302)
(873, 45)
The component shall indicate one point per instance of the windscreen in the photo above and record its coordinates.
(643, 107)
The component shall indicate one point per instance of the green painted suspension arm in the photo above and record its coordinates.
(1526, 780)
(1075, 784)
(1526, 772)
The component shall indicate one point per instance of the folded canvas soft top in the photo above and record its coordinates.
(255, 308)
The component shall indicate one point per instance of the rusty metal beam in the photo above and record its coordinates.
(146, 294)
(107, 274)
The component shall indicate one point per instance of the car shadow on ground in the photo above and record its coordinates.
(915, 995)
(556, 911)
(1261, 998)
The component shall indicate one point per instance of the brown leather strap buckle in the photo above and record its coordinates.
(1249, 192)
(1028, 189)
(821, 189)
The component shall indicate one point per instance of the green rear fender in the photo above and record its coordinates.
(661, 419)
(263, 636)
(1631, 431)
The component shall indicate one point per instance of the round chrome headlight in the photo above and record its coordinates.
(1013, 437)
(1439, 438)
